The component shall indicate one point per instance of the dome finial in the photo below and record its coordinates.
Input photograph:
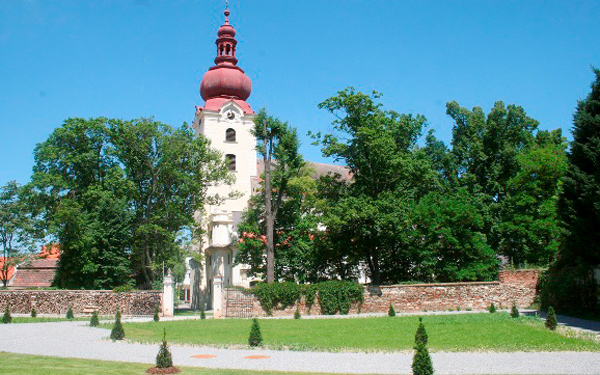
(226, 12)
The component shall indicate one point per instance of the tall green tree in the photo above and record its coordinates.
(377, 146)
(515, 171)
(579, 203)
(17, 226)
(275, 224)
(117, 195)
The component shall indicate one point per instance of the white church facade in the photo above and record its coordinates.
(226, 119)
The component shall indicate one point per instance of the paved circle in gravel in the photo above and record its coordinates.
(76, 340)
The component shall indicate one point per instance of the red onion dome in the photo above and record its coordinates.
(225, 81)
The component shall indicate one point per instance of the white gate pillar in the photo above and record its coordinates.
(218, 297)
(168, 296)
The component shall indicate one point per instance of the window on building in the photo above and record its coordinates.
(230, 135)
(231, 159)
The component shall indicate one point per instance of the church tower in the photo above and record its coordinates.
(226, 119)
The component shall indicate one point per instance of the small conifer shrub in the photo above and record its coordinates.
(255, 338)
(391, 311)
(156, 316)
(514, 312)
(117, 332)
(94, 321)
(202, 313)
(551, 319)
(297, 314)
(70, 313)
(492, 308)
(164, 359)
(421, 335)
(6, 318)
(33, 312)
(421, 364)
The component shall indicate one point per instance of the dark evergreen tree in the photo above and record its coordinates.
(422, 364)
(33, 312)
(421, 335)
(255, 338)
(202, 313)
(492, 308)
(551, 319)
(94, 321)
(514, 312)
(297, 314)
(70, 313)
(579, 203)
(156, 316)
(117, 332)
(164, 359)
(6, 318)
(391, 311)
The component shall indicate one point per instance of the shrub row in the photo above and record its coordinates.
(332, 296)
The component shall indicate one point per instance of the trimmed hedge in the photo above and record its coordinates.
(333, 296)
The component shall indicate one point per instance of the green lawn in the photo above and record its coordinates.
(19, 364)
(460, 332)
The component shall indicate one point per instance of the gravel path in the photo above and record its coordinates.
(76, 340)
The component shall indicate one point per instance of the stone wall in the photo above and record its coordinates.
(58, 301)
(512, 286)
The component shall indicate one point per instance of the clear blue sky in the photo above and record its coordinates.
(128, 59)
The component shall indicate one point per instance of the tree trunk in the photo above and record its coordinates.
(269, 218)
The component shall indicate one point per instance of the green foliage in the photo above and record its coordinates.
(6, 318)
(94, 321)
(391, 311)
(492, 308)
(18, 226)
(164, 359)
(116, 194)
(572, 290)
(70, 313)
(338, 296)
(117, 333)
(422, 364)
(156, 317)
(202, 313)
(421, 334)
(292, 204)
(297, 314)
(514, 311)
(551, 319)
(255, 338)
(277, 295)
(310, 296)
(33, 312)
(333, 296)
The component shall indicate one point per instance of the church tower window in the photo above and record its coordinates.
(230, 135)
(231, 159)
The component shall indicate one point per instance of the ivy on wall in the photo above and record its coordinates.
(333, 296)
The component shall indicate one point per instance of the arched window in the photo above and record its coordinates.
(231, 159)
(230, 135)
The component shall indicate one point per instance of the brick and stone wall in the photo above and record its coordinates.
(512, 286)
(58, 301)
